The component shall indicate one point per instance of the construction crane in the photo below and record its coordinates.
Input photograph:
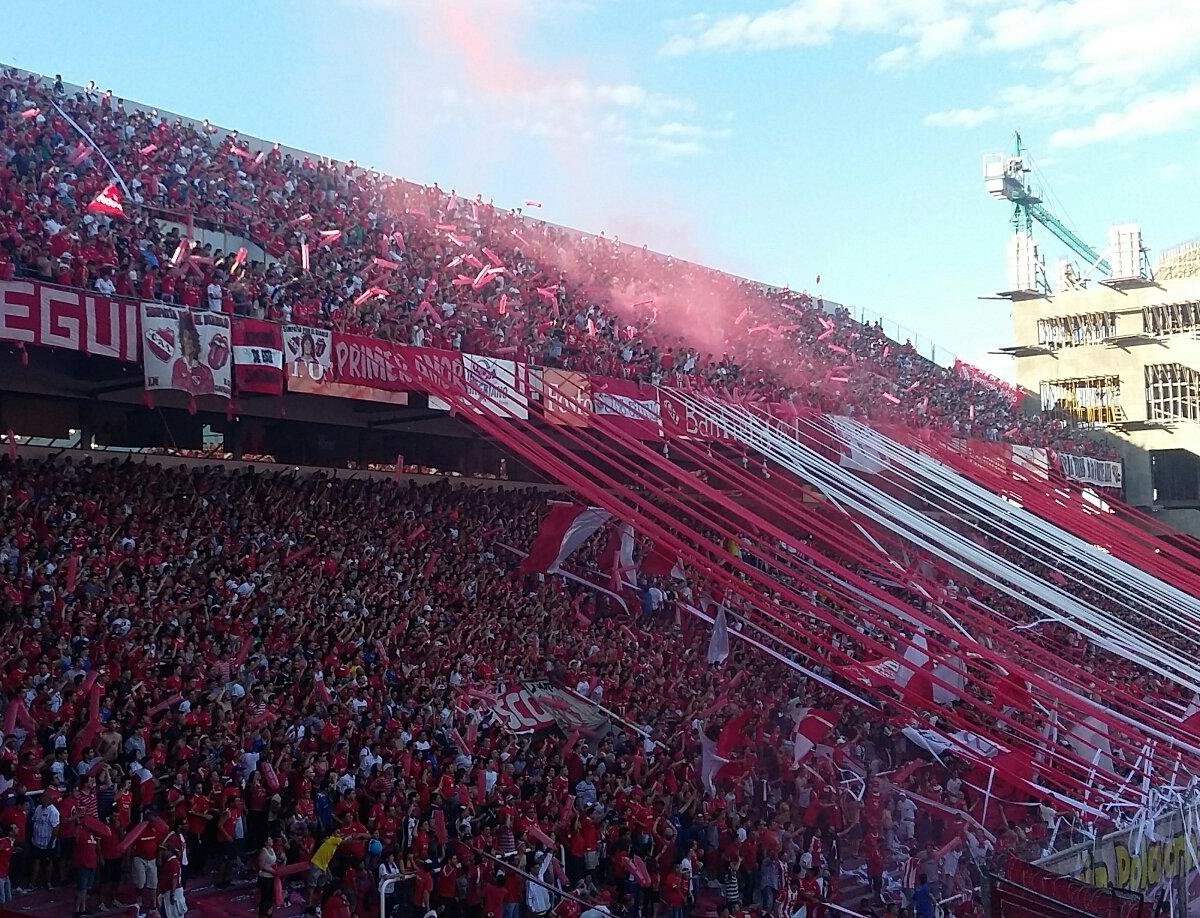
(1005, 179)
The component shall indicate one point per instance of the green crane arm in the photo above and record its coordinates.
(1077, 245)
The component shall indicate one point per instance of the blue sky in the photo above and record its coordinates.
(840, 138)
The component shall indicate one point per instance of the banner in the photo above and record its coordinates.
(633, 408)
(386, 372)
(186, 350)
(1157, 857)
(501, 386)
(71, 320)
(1100, 472)
(431, 371)
(309, 364)
(533, 706)
(566, 398)
(258, 356)
(679, 420)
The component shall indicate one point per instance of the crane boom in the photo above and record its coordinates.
(1069, 239)
(1005, 179)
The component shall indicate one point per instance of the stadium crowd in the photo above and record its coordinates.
(354, 250)
(218, 673)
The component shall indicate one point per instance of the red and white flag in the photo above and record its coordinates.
(564, 529)
(812, 730)
(617, 557)
(258, 356)
(110, 202)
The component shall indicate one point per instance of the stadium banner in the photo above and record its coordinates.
(43, 315)
(1099, 472)
(633, 408)
(532, 706)
(679, 420)
(257, 356)
(186, 350)
(307, 356)
(501, 386)
(430, 371)
(566, 397)
(310, 366)
(1156, 858)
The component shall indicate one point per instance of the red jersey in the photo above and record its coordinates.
(146, 844)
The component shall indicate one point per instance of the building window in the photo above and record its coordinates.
(1172, 392)
(1072, 331)
(1175, 475)
(1171, 318)
(1089, 400)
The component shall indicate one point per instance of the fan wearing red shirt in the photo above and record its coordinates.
(493, 894)
(145, 864)
(87, 861)
(8, 842)
(170, 878)
(675, 890)
(811, 894)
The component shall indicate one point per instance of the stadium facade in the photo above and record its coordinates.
(1126, 360)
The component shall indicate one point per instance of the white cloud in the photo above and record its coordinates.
(1133, 61)
(1148, 116)
(575, 111)
(962, 117)
(808, 23)
(484, 75)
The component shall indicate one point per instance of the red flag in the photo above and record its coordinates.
(258, 356)
(433, 559)
(110, 201)
(82, 151)
(733, 735)
(662, 563)
(72, 572)
(564, 529)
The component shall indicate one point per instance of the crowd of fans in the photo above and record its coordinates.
(331, 232)
(216, 674)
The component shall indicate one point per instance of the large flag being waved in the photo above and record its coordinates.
(565, 528)
(812, 730)
(718, 644)
(109, 202)
(660, 562)
(617, 557)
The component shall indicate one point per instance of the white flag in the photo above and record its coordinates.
(718, 644)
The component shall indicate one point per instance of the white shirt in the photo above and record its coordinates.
(45, 821)
(105, 286)
(214, 297)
